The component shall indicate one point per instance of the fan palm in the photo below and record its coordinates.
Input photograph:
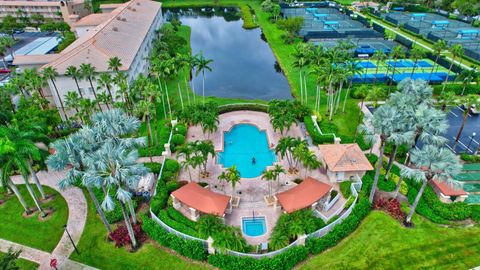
(433, 163)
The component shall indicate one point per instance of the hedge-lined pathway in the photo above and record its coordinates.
(77, 216)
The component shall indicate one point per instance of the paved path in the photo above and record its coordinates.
(157, 159)
(41, 257)
(77, 214)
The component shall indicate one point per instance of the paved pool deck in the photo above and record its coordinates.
(251, 190)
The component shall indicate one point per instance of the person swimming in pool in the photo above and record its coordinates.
(254, 161)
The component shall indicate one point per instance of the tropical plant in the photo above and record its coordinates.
(446, 100)
(74, 72)
(87, 71)
(202, 65)
(431, 163)
(205, 149)
(233, 177)
(469, 102)
(105, 81)
(269, 176)
(310, 162)
(457, 51)
(467, 76)
(51, 73)
(396, 53)
(438, 48)
(114, 64)
(379, 56)
(416, 54)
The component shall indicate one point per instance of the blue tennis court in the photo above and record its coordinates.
(436, 77)
(423, 63)
(367, 64)
(400, 63)
(369, 78)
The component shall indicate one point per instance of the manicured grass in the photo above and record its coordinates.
(96, 251)
(43, 235)
(383, 243)
(23, 264)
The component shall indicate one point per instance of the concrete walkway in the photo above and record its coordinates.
(77, 217)
(41, 257)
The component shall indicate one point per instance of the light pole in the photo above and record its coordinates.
(470, 142)
(71, 240)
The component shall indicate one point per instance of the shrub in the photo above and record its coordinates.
(328, 127)
(165, 218)
(171, 186)
(189, 248)
(317, 245)
(172, 166)
(153, 167)
(392, 207)
(248, 17)
(470, 158)
(177, 140)
(349, 202)
(298, 181)
(372, 158)
(345, 188)
(203, 184)
(179, 217)
(121, 237)
(476, 213)
(181, 129)
(362, 143)
(386, 185)
(333, 194)
(457, 88)
(240, 107)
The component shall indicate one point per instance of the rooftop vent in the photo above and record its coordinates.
(115, 29)
(124, 20)
(138, 3)
(133, 9)
(118, 18)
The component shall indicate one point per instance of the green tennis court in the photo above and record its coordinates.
(471, 188)
(471, 167)
(467, 177)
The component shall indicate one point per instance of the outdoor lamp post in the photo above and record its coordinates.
(470, 142)
(71, 240)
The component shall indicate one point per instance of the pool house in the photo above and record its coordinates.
(309, 193)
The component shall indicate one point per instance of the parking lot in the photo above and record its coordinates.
(468, 142)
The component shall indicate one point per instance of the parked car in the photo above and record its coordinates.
(5, 71)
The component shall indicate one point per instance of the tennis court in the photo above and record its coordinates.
(471, 167)
(367, 64)
(467, 143)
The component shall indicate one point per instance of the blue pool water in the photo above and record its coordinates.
(243, 143)
(254, 226)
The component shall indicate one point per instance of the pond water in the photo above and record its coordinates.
(243, 64)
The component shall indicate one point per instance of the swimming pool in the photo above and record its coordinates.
(241, 145)
(253, 226)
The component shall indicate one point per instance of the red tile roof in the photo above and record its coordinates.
(304, 195)
(204, 200)
(344, 157)
(448, 189)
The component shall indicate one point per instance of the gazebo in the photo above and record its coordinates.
(446, 192)
(192, 199)
(309, 193)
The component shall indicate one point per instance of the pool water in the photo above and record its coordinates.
(243, 143)
(254, 226)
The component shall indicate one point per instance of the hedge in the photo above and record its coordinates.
(165, 218)
(180, 218)
(241, 107)
(189, 248)
(457, 89)
(153, 166)
(470, 158)
(345, 188)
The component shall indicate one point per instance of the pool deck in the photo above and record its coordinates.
(251, 190)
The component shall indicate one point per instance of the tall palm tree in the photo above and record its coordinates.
(114, 64)
(457, 51)
(202, 65)
(353, 68)
(74, 72)
(469, 102)
(446, 99)
(310, 162)
(72, 101)
(87, 71)
(341, 76)
(396, 53)
(233, 177)
(379, 56)
(269, 176)
(284, 148)
(467, 76)
(438, 48)
(222, 178)
(117, 168)
(7, 148)
(301, 61)
(51, 73)
(416, 54)
(105, 98)
(8, 43)
(362, 92)
(278, 170)
(431, 163)
(105, 81)
(205, 149)
(145, 109)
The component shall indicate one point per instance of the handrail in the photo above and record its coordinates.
(319, 130)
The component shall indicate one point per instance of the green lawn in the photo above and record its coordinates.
(43, 235)
(96, 251)
(383, 243)
(23, 264)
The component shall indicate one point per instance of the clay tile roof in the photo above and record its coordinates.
(303, 195)
(94, 19)
(448, 189)
(204, 200)
(344, 157)
(34, 59)
(31, 3)
(102, 6)
(121, 35)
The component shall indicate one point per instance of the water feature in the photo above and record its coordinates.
(246, 147)
(243, 63)
(254, 226)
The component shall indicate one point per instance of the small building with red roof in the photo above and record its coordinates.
(193, 200)
(344, 161)
(309, 193)
(447, 193)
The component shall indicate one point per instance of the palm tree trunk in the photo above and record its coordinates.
(149, 138)
(413, 69)
(358, 121)
(94, 93)
(346, 96)
(376, 73)
(301, 87)
(110, 93)
(390, 161)
(377, 172)
(448, 73)
(464, 86)
(168, 101)
(59, 98)
(305, 89)
(339, 96)
(465, 117)
(99, 209)
(129, 225)
(203, 86)
(186, 88)
(433, 68)
(415, 203)
(180, 94)
(20, 198)
(397, 188)
(34, 197)
(393, 75)
(132, 212)
(78, 87)
(37, 182)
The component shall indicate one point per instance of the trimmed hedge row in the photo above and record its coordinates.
(317, 138)
(457, 89)
(241, 107)
(188, 248)
(179, 226)
(470, 158)
(153, 166)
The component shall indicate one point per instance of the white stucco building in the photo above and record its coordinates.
(127, 33)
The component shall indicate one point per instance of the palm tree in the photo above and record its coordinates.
(353, 68)
(222, 178)
(416, 53)
(469, 102)
(269, 175)
(6, 149)
(145, 109)
(202, 65)
(379, 56)
(3, 52)
(8, 43)
(72, 101)
(114, 64)
(277, 170)
(105, 98)
(446, 99)
(432, 163)
(385, 121)
(105, 81)
(233, 177)
(299, 152)
(209, 124)
(396, 53)
(457, 51)
(362, 92)
(301, 61)
(73, 72)
(205, 148)
(88, 71)
(51, 73)
(117, 168)
(467, 76)
(341, 76)
(438, 48)
(310, 162)
(284, 148)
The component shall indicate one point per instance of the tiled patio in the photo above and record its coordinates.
(250, 190)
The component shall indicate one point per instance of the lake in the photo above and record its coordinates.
(243, 63)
